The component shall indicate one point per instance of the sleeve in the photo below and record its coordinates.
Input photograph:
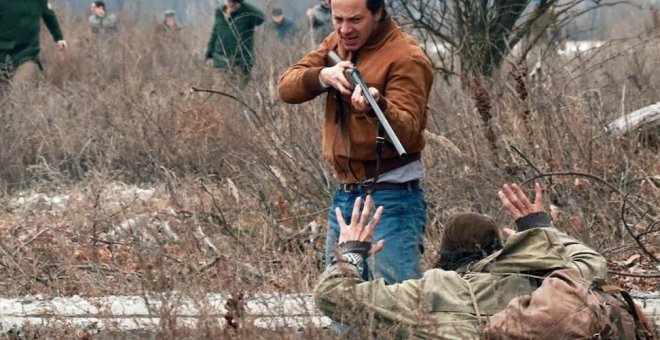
(258, 17)
(406, 95)
(585, 260)
(53, 25)
(300, 82)
(342, 296)
(112, 22)
(534, 220)
(210, 46)
(316, 22)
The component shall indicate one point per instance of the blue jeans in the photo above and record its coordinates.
(402, 227)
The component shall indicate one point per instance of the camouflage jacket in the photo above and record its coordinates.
(454, 304)
(100, 25)
(20, 27)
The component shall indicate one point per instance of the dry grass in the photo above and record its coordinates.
(238, 187)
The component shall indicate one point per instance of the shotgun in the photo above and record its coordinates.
(353, 76)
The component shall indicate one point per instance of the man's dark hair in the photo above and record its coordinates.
(277, 11)
(99, 4)
(236, 1)
(374, 5)
(467, 237)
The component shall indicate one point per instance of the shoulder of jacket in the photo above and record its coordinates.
(332, 40)
(320, 9)
(406, 48)
(250, 7)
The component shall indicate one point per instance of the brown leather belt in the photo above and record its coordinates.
(360, 187)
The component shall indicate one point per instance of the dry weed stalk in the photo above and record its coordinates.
(484, 107)
(134, 121)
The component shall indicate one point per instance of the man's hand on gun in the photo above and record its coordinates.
(335, 76)
(359, 102)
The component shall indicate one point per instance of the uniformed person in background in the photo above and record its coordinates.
(282, 25)
(320, 18)
(19, 37)
(101, 21)
(169, 24)
(231, 45)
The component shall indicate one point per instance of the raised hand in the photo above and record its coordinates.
(516, 202)
(361, 227)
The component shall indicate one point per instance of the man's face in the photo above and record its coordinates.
(354, 22)
(231, 6)
(170, 21)
(278, 18)
(98, 11)
(325, 3)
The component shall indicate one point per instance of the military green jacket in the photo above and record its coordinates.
(20, 26)
(232, 38)
(454, 304)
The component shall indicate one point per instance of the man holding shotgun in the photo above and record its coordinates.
(399, 78)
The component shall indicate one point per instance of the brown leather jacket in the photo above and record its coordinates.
(391, 62)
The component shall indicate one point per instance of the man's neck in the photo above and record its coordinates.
(230, 11)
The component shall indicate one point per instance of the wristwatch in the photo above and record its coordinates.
(353, 258)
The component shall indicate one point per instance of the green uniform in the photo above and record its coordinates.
(232, 40)
(455, 304)
(20, 26)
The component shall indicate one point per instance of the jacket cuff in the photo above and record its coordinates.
(382, 103)
(311, 81)
(534, 220)
(355, 247)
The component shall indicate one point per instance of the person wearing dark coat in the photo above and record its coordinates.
(19, 37)
(320, 18)
(283, 26)
(231, 44)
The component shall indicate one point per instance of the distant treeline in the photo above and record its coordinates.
(187, 10)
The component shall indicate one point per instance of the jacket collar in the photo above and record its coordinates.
(379, 36)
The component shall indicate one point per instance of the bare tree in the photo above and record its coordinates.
(480, 34)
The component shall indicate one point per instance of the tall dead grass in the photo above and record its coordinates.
(241, 182)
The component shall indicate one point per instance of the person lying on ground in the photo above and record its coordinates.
(475, 276)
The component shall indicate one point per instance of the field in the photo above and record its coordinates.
(118, 179)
